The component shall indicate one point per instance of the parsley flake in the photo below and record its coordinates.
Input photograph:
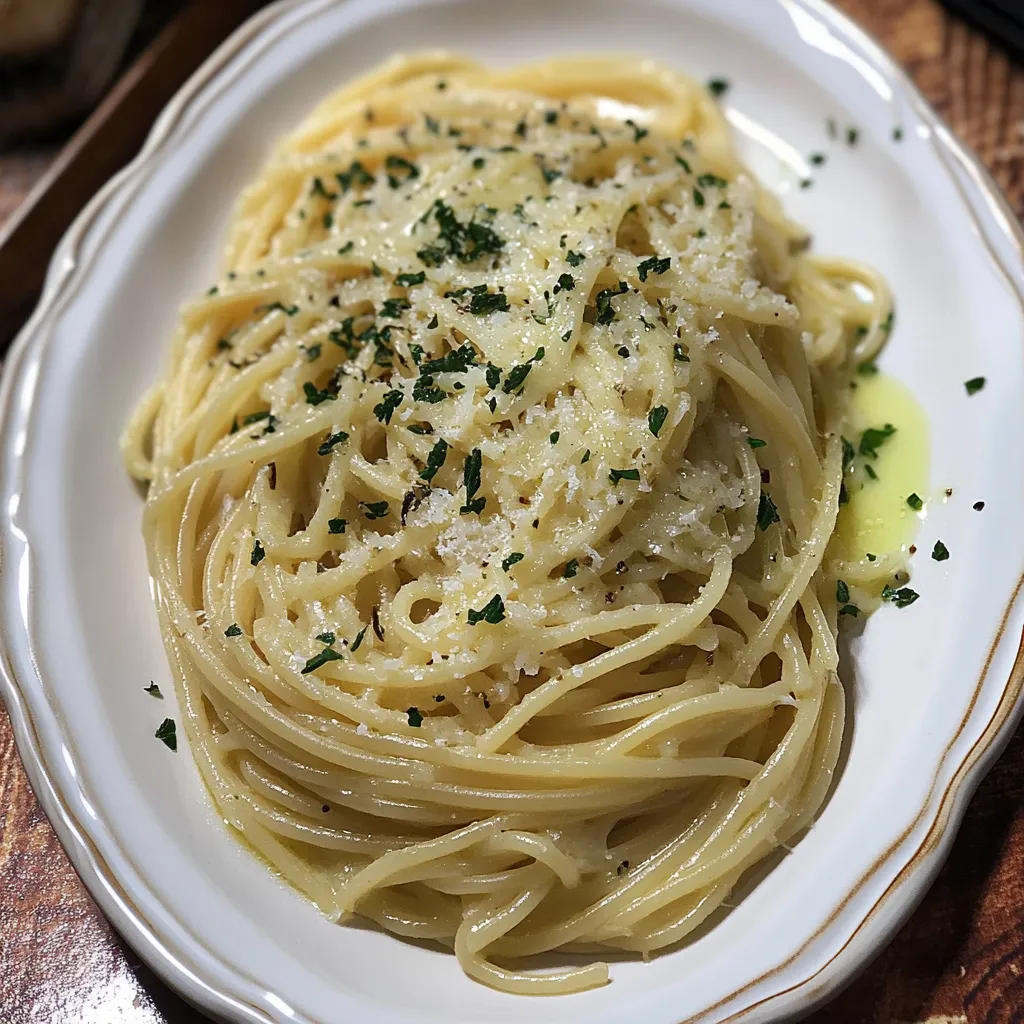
(471, 479)
(653, 265)
(872, 439)
(767, 513)
(388, 404)
(314, 396)
(507, 563)
(974, 385)
(486, 303)
(167, 734)
(656, 418)
(603, 302)
(320, 659)
(492, 612)
(435, 460)
(332, 441)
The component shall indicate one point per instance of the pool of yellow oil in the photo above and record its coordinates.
(877, 518)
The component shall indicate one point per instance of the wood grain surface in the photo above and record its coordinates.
(960, 958)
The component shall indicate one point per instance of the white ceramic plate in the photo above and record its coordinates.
(933, 688)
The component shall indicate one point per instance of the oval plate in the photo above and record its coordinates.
(933, 688)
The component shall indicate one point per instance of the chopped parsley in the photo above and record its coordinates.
(507, 563)
(313, 352)
(698, 197)
(269, 307)
(356, 175)
(375, 509)
(678, 354)
(167, 734)
(358, 640)
(718, 86)
(233, 630)
(817, 159)
(415, 717)
(492, 612)
(656, 418)
(553, 437)
(685, 164)
(485, 303)
(347, 247)
(258, 554)
(458, 360)
(842, 592)
(516, 377)
(314, 396)
(392, 309)
(326, 638)
(901, 598)
(425, 391)
(940, 552)
(653, 265)
(319, 660)
(623, 474)
(571, 568)
(388, 404)
(405, 171)
(767, 513)
(866, 369)
(873, 438)
(974, 385)
(586, 457)
(756, 442)
(407, 280)
(603, 302)
(574, 259)
(465, 242)
(471, 479)
(154, 691)
(638, 132)
(332, 441)
(435, 460)
(915, 502)
(566, 283)
(711, 181)
(336, 525)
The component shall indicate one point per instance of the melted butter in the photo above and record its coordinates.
(877, 518)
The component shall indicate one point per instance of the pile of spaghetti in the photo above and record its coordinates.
(490, 491)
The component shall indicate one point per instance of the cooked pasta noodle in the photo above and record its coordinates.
(490, 499)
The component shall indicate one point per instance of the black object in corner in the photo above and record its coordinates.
(1002, 20)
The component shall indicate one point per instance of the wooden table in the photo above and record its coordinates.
(959, 960)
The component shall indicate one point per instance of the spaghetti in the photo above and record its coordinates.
(490, 499)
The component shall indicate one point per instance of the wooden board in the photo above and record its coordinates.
(959, 960)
